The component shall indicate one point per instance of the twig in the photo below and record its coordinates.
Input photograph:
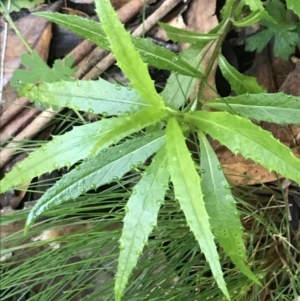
(33, 128)
(16, 124)
(15, 108)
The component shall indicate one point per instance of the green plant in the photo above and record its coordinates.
(285, 31)
(110, 148)
(17, 5)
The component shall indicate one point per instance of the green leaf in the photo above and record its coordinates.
(82, 141)
(162, 58)
(242, 136)
(227, 8)
(180, 87)
(259, 40)
(41, 72)
(17, 5)
(133, 123)
(188, 36)
(294, 5)
(141, 217)
(152, 54)
(240, 83)
(285, 42)
(277, 108)
(96, 171)
(126, 54)
(278, 11)
(256, 5)
(187, 189)
(95, 97)
(251, 19)
(283, 31)
(221, 207)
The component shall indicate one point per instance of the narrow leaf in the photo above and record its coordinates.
(133, 123)
(179, 87)
(162, 58)
(82, 141)
(95, 97)
(96, 171)
(221, 207)
(187, 36)
(240, 83)
(141, 217)
(227, 8)
(277, 108)
(251, 19)
(151, 54)
(187, 188)
(242, 136)
(126, 54)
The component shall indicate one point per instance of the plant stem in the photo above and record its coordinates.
(225, 29)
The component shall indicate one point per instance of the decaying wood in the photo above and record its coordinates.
(32, 129)
(13, 127)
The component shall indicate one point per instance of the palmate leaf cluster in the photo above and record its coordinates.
(139, 125)
(285, 31)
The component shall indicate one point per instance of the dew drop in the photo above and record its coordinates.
(116, 179)
(122, 247)
(104, 114)
(152, 224)
(78, 167)
(227, 186)
(90, 111)
(236, 151)
(220, 167)
(126, 209)
(56, 166)
(93, 186)
(133, 191)
(133, 167)
(138, 252)
(159, 202)
(118, 87)
(269, 120)
(68, 165)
